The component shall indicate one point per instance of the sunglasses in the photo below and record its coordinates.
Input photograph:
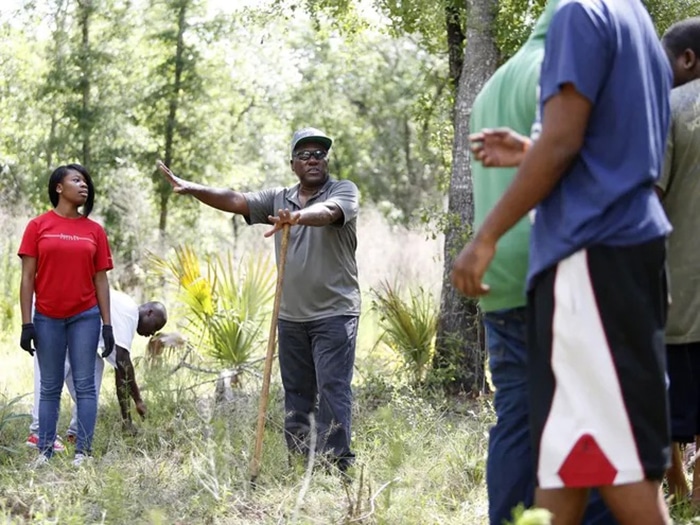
(319, 154)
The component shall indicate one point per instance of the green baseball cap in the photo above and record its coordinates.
(304, 135)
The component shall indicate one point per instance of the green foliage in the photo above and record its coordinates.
(220, 95)
(189, 464)
(383, 102)
(514, 22)
(522, 516)
(516, 18)
(409, 327)
(425, 20)
(227, 306)
(665, 12)
(8, 416)
(9, 281)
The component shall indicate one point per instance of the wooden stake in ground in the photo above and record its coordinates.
(271, 340)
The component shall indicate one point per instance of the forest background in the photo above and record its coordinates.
(215, 89)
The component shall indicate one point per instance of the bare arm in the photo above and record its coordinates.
(26, 289)
(223, 199)
(319, 214)
(564, 125)
(102, 290)
(126, 386)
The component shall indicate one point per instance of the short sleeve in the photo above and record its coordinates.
(125, 321)
(578, 50)
(344, 193)
(103, 255)
(260, 205)
(30, 240)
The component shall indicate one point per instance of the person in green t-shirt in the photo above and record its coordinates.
(679, 189)
(509, 99)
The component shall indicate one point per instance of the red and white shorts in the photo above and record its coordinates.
(598, 400)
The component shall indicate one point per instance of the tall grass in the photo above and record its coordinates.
(10, 413)
(418, 461)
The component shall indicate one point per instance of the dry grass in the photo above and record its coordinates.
(418, 462)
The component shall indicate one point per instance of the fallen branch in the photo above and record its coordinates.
(372, 500)
(194, 368)
(183, 361)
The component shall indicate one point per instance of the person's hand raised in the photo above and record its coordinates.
(179, 185)
(499, 148)
(283, 217)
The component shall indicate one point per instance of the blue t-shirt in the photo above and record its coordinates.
(610, 52)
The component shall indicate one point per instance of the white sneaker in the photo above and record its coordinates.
(80, 459)
(40, 461)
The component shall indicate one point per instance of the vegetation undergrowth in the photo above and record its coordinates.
(418, 462)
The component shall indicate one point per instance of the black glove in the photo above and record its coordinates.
(28, 335)
(108, 339)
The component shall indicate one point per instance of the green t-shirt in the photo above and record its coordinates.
(680, 183)
(508, 99)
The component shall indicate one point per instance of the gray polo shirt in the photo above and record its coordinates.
(320, 276)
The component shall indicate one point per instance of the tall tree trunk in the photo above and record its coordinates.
(459, 343)
(173, 104)
(85, 12)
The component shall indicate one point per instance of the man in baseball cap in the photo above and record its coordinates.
(320, 303)
(304, 135)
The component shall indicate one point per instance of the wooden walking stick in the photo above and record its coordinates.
(271, 340)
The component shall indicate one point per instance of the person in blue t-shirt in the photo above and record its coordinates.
(597, 294)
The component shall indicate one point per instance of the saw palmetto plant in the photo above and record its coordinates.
(228, 304)
(409, 326)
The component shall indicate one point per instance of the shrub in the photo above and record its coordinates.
(227, 305)
(409, 327)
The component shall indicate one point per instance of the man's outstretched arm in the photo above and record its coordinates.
(223, 199)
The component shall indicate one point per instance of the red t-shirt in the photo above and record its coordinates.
(69, 252)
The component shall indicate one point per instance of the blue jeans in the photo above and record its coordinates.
(73, 427)
(510, 474)
(78, 335)
(316, 365)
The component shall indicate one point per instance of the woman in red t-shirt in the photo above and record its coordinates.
(65, 259)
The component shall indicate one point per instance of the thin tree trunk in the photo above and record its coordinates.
(173, 104)
(58, 60)
(86, 9)
(459, 342)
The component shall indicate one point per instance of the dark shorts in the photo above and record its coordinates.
(598, 397)
(684, 391)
